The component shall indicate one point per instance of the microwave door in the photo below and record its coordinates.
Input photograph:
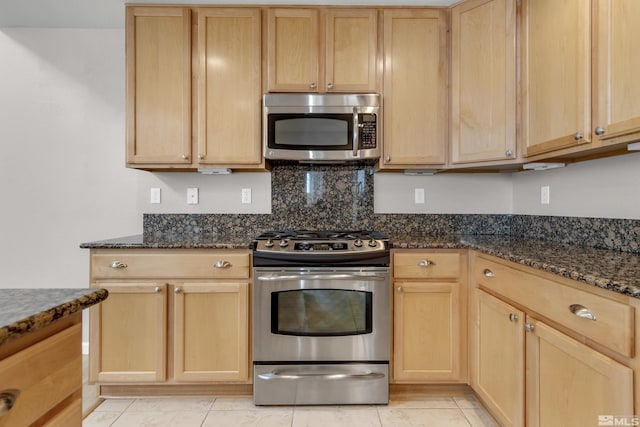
(310, 132)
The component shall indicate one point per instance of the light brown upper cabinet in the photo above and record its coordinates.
(225, 88)
(158, 49)
(556, 74)
(415, 88)
(322, 50)
(483, 82)
(616, 115)
(229, 90)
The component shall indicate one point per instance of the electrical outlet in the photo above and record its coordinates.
(192, 196)
(246, 195)
(544, 195)
(418, 196)
(155, 196)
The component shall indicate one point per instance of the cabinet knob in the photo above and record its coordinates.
(157, 290)
(7, 400)
(425, 263)
(488, 273)
(387, 159)
(582, 311)
(329, 86)
(177, 290)
(313, 86)
(529, 327)
(399, 289)
(222, 264)
(508, 153)
(185, 157)
(200, 156)
(513, 317)
(599, 131)
(118, 265)
(577, 136)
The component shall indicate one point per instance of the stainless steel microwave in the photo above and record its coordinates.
(321, 127)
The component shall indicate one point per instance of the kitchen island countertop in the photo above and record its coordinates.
(608, 269)
(23, 311)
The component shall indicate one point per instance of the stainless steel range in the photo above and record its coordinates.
(321, 318)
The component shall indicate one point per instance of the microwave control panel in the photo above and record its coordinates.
(368, 131)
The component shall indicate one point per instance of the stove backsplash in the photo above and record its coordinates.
(341, 197)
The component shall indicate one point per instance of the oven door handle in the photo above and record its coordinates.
(328, 376)
(278, 278)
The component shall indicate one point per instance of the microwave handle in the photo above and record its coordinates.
(356, 127)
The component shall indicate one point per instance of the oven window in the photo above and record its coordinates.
(303, 132)
(321, 312)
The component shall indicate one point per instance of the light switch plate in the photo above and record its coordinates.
(155, 196)
(418, 196)
(192, 196)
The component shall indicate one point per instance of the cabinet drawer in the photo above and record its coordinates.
(44, 374)
(165, 265)
(421, 265)
(613, 324)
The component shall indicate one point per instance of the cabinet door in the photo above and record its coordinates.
(617, 42)
(128, 334)
(229, 88)
(293, 49)
(415, 88)
(556, 77)
(498, 371)
(158, 85)
(351, 50)
(427, 322)
(211, 332)
(570, 384)
(483, 92)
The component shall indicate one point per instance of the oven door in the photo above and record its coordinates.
(337, 314)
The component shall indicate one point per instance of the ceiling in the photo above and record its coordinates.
(110, 13)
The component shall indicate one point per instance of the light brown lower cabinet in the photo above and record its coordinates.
(564, 370)
(172, 331)
(429, 344)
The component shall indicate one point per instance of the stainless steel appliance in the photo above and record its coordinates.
(321, 127)
(321, 318)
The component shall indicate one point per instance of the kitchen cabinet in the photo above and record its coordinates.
(174, 317)
(229, 89)
(574, 348)
(158, 98)
(415, 116)
(429, 317)
(483, 92)
(322, 50)
(616, 62)
(216, 68)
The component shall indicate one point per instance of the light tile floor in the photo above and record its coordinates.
(456, 411)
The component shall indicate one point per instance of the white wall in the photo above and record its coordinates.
(607, 188)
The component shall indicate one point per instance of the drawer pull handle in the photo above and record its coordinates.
(222, 264)
(118, 264)
(513, 317)
(582, 311)
(425, 263)
(7, 400)
(488, 273)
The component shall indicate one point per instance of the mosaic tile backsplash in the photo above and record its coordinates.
(341, 197)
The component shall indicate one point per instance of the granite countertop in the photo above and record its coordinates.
(23, 311)
(174, 241)
(613, 270)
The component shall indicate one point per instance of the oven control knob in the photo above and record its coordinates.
(268, 243)
(283, 243)
(373, 243)
(357, 243)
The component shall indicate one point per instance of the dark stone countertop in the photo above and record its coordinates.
(23, 311)
(607, 269)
